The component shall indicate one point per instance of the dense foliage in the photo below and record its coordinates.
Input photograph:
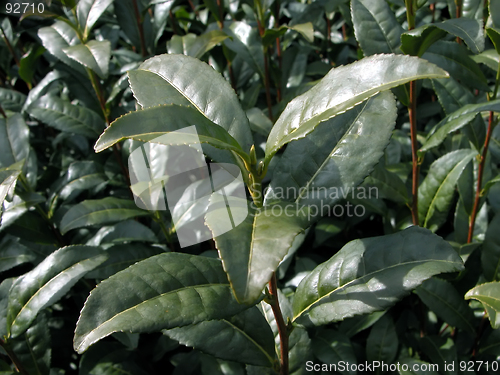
(363, 130)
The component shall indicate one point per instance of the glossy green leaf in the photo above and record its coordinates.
(181, 44)
(245, 337)
(436, 191)
(448, 126)
(206, 42)
(80, 176)
(375, 26)
(47, 283)
(27, 64)
(128, 22)
(158, 121)
(57, 37)
(341, 89)
(490, 254)
(5, 286)
(380, 271)
(333, 347)
(489, 295)
(244, 40)
(67, 117)
(444, 300)
(94, 55)
(13, 253)
(252, 251)
(88, 12)
(489, 184)
(8, 179)
(14, 140)
(172, 290)
(382, 343)
(388, 184)
(33, 348)
(416, 42)
(11, 99)
(305, 29)
(120, 257)
(183, 80)
(455, 59)
(99, 211)
(359, 323)
(440, 350)
(125, 231)
(329, 163)
(490, 58)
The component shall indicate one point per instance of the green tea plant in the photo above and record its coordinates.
(319, 105)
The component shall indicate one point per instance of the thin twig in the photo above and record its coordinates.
(282, 327)
(140, 27)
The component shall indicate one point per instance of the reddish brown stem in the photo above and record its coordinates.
(2, 112)
(412, 112)
(221, 14)
(9, 46)
(13, 357)
(280, 322)
(480, 173)
(278, 49)
(141, 29)
(267, 80)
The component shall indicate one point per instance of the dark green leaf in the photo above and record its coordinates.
(94, 55)
(436, 192)
(490, 255)
(454, 58)
(417, 41)
(125, 231)
(329, 163)
(13, 253)
(27, 66)
(33, 348)
(440, 351)
(380, 271)
(382, 343)
(14, 140)
(88, 12)
(245, 337)
(444, 300)
(332, 347)
(375, 26)
(252, 251)
(11, 99)
(47, 283)
(172, 290)
(120, 257)
(67, 117)
(99, 211)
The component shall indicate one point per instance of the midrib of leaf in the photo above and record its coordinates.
(455, 61)
(427, 218)
(381, 30)
(352, 282)
(187, 98)
(250, 257)
(309, 125)
(451, 307)
(53, 280)
(330, 154)
(67, 115)
(271, 360)
(466, 33)
(384, 337)
(176, 291)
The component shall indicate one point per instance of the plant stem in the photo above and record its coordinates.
(412, 113)
(280, 322)
(13, 357)
(9, 46)
(267, 80)
(138, 19)
(2, 112)
(482, 162)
